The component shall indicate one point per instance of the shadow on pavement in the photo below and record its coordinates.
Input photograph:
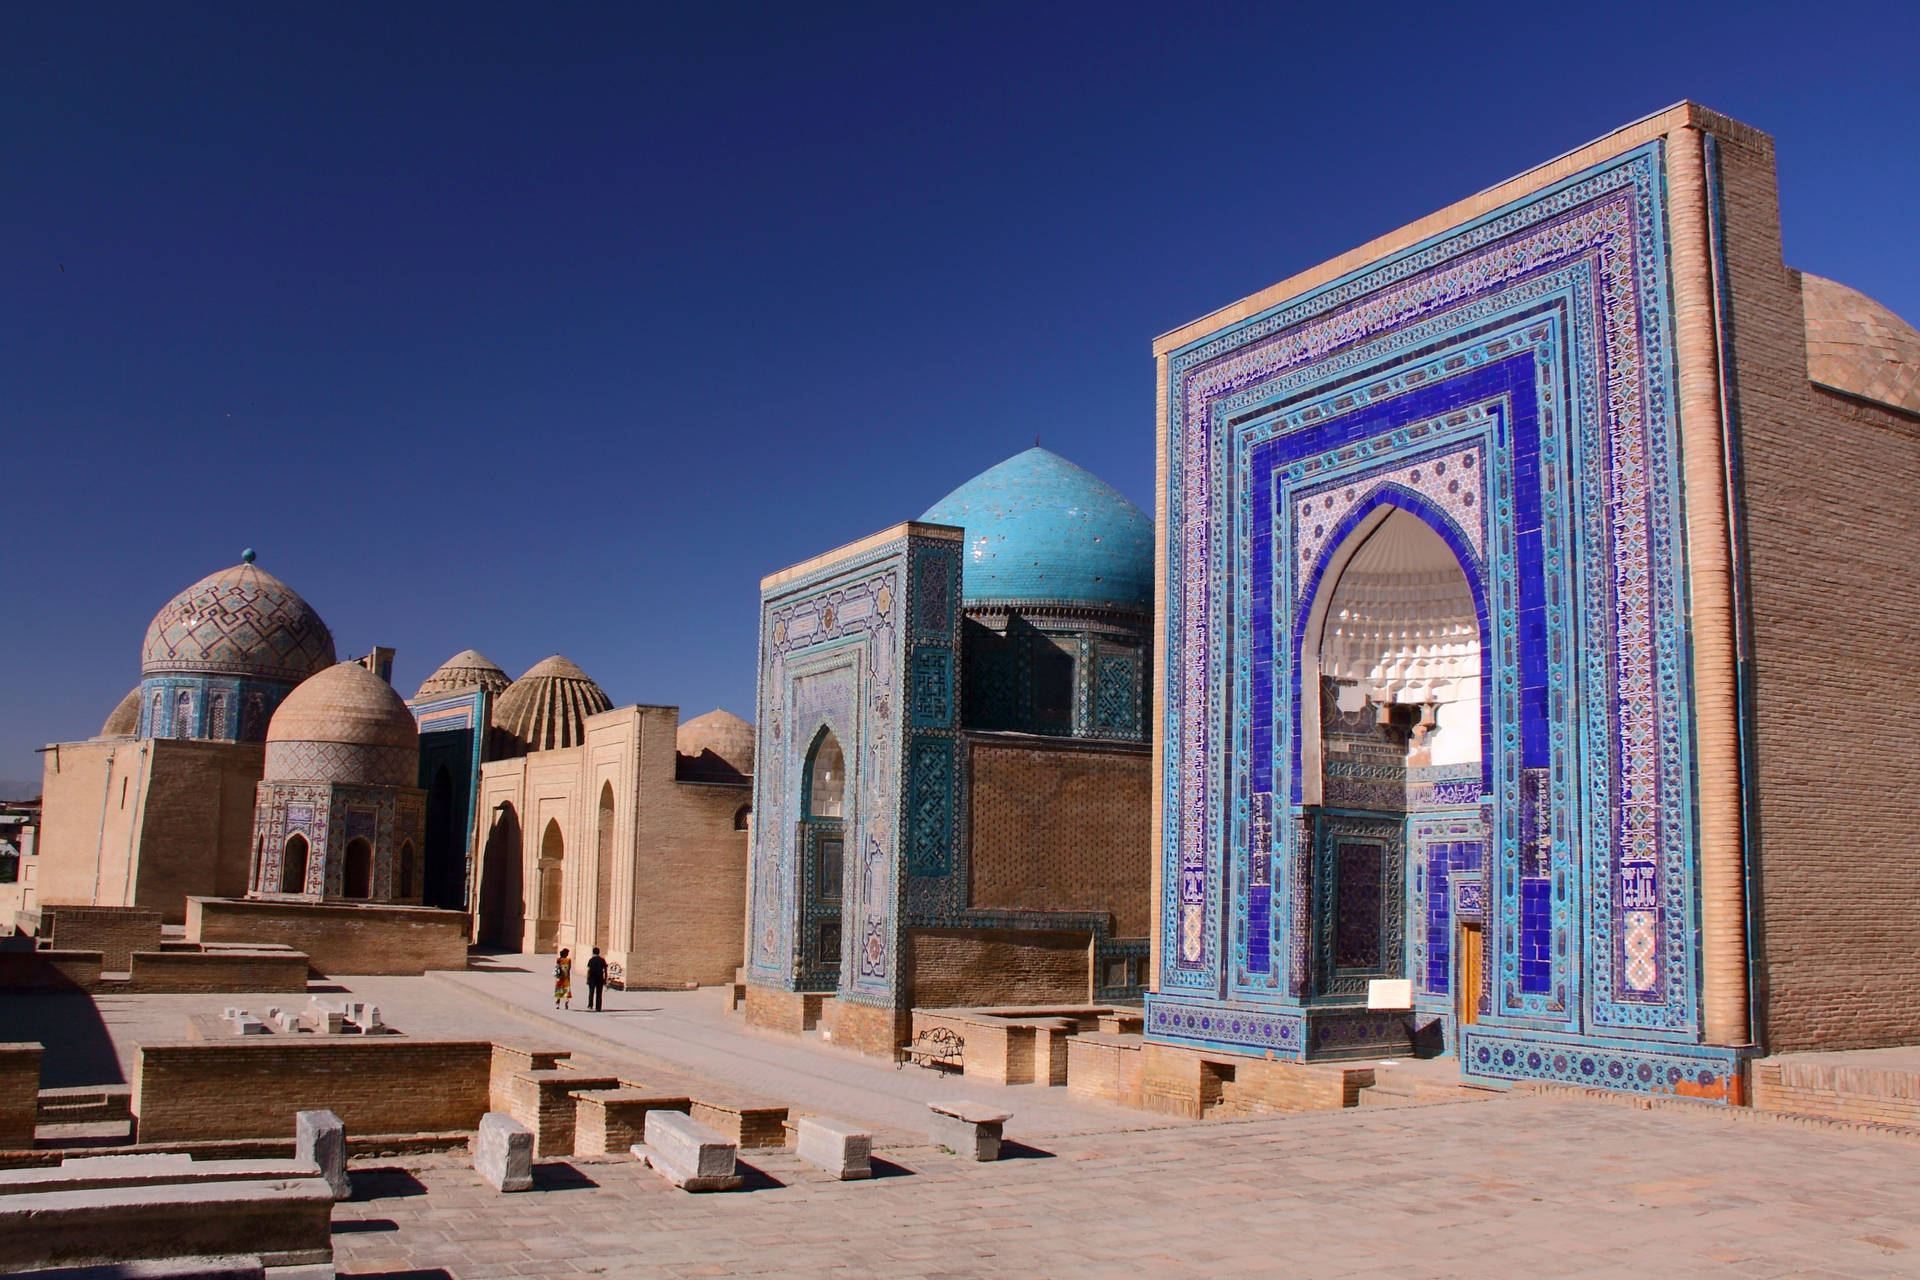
(431, 1273)
(1021, 1151)
(384, 1184)
(365, 1224)
(888, 1169)
(78, 1049)
(560, 1176)
(753, 1178)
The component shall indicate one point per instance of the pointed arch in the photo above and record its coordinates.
(293, 864)
(603, 870)
(551, 885)
(825, 777)
(356, 869)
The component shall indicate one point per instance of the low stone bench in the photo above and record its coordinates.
(248, 1267)
(543, 1101)
(745, 1126)
(970, 1130)
(687, 1153)
(609, 1121)
(285, 1222)
(842, 1149)
(503, 1153)
(91, 1173)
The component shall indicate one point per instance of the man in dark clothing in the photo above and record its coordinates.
(596, 980)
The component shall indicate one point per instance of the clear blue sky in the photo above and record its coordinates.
(553, 328)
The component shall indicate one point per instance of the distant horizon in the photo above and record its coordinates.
(544, 332)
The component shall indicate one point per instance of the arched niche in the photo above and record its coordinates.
(293, 864)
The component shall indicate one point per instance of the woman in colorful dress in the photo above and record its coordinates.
(563, 980)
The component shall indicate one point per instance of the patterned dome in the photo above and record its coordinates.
(1041, 529)
(344, 725)
(125, 720)
(547, 708)
(718, 744)
(464, 670)
(1857, 346)
(241, 621)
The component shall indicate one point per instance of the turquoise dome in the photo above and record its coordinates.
(1041, 529)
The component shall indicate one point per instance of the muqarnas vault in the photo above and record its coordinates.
(1505, 563)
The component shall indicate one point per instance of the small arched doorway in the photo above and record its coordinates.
(293, 864)
(1390, 715)
(823, 862)
(356, 869)
(503, 907)
(603, 870)
(551, 881)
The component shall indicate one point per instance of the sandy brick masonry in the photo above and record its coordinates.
(1865, 1088)
(115, 932)
(338, 939)
(19, 1094)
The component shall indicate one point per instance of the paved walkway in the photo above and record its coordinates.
(1516, 1187)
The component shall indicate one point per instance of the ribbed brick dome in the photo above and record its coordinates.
(1040, 529)
(547, 708)
(464, 670)
(241, 621)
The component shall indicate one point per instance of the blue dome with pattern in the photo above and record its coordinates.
(1041, 529)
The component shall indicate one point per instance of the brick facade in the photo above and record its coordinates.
(252, 1086)
(338, 939)
(1060, 826)
(115, 932)
(995, 966)
(19, 1094)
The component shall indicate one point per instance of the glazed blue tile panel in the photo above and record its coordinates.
(1536, 936)
(1439, 916)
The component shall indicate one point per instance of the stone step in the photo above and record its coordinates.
(85, 1104)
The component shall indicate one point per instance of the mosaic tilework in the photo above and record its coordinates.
(241, 621)
(1530, 352)
(835, 652)
(211, 707)
(1700, 1071)
(329, 816)
(344, 762)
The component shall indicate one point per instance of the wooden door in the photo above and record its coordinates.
(1471, 958)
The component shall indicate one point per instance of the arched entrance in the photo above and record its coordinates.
(356, 869)
(551, 879)
(293, 865)
(823, 861)
(603, 870)
(1391, 728)
(503, 906)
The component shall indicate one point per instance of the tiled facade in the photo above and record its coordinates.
(1508, 380)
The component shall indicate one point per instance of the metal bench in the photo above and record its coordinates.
(935, 1047)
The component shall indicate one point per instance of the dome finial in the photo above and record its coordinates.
(246, 556)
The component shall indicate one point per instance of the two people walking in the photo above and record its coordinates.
(563, 980)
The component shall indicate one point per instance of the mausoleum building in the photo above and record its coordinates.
(1520, 573)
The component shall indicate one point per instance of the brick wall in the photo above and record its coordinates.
(1830, 498)
(218, 971)
(864, 1028)
(339, 939)
(19, 1094)
(251, 1086)
(952, 967)
(1187, 1082)
(49, 970)
(115, 932)
(776, 1010)
(1859, 1092)
(1105, 1068)
(1061, 827)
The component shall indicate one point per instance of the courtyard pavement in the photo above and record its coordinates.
(1515, 1187)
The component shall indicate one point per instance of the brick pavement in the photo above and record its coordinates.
(1515, 1187)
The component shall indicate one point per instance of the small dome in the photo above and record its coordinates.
(547, 708)
(1857, 346)
(464, 670)
(346, 703)
(241, 621)
(717, 746)
(1040, 529)
(125, 720)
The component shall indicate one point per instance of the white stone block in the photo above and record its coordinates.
(842, 1149)
(687, 1153)
(503, 1152)
(319, 1139)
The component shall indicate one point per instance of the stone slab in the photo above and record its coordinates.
(503, 1152)
(320, 1139)
(687, 1153)
(285, 1221)
(971, 1130)
(842, 1149)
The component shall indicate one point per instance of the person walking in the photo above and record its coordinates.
(596, 981)
(563, 980)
